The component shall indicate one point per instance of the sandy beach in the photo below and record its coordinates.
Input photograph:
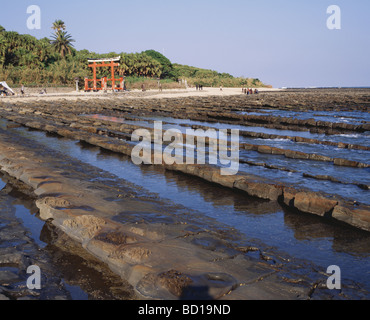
(166, 93)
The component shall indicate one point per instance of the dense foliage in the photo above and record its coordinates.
(29, 61)
(210, 78)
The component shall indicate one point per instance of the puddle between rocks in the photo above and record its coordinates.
(68, 272)
(264, 224)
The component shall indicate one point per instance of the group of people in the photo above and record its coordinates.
(4, 92)
(199, 86)
(249, 91)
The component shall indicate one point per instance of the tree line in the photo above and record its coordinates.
(30, 61)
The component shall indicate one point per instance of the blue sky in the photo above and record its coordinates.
(283, 43)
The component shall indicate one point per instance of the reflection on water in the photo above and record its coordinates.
(352, 138)
(262, 222)
(325, 150)
(24, 210)
(302, 236)
(345, 174)
(65, 273)
(350, 176)
(352, 117)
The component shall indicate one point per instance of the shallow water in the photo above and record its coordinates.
(352, 117)
(325, 150)
(64, 274)
(262, 223)
(350, 176)
(352, 138)
(25, 213)
(344, 174)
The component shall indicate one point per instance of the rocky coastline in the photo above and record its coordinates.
(169, 260)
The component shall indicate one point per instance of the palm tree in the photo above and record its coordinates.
(58, 25)
(3, 49)
(62, 42)
(43, 50)
(123, 68)
(64, 70)
(14, 40)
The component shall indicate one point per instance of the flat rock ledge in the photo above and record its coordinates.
(160, 260)
(344, 210)
(330, 206)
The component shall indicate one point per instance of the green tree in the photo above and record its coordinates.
(139, 64)
(43, 49)
(3, 49)
(25, 59)
(62, 42)
(58, 25)
(64, 71)
(167, 70)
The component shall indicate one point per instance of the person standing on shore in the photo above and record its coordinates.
(22, 89)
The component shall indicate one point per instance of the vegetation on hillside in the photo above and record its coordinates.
(30, 61)
(211, 78)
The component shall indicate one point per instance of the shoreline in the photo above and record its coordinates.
(160, 261)
(294, 197)
(166, 93)
(129, 248)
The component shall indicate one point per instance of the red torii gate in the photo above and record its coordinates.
(99, 63)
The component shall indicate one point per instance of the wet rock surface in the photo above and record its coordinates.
(161, 258)
(144, 241)
(262, 187)
(67, 270)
